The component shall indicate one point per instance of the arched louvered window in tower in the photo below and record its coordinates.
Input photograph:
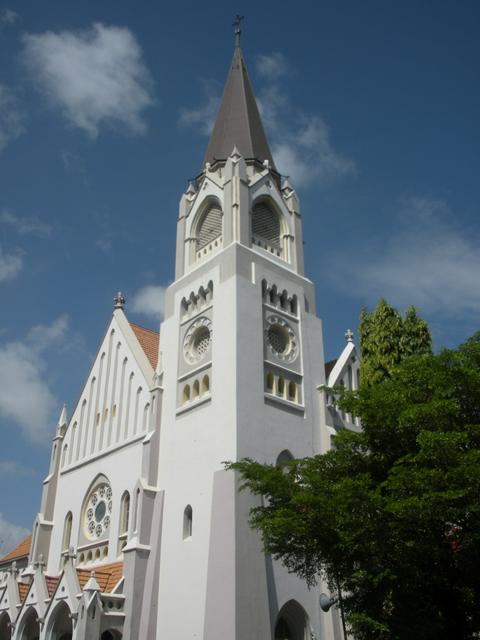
(266, 228)
(209, 230)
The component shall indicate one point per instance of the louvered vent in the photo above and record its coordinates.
(210, 227)
(266, 224)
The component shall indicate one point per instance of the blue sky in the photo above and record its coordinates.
(371, 108)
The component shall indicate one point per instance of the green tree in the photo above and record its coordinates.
(391, 516)
(386, 338)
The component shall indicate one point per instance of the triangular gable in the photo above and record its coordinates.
(126, 330)
(348, 355)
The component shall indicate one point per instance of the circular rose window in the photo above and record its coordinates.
(281, 339)
(98, 511)
(197, 340)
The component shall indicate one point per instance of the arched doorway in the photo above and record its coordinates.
(111, 634)
(30, 628)
(5, 629)
(292, 622)
(60, 626)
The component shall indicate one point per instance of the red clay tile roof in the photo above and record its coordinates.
(23, 590)
(52, 584)
(329, 366)
(107, 576)
(20, 551)
(149, 341)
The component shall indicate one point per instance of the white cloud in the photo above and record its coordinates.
(150, 301)
(428, 261)
(10, 535)
(14, 468)
(8, 17)
(10, 264)
(25, 226)
(306, 154)
(202, 118)
(272, 66)
(25, 395)
(12, 118)
(95, 77)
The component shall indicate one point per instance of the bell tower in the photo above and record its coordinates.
(241, 360)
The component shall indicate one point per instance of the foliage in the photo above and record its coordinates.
(386, 338)
(392, 514)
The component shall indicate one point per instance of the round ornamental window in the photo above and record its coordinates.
(281, 339)
(197, 340)
(201, 340)
(278, 338)
(98, 511)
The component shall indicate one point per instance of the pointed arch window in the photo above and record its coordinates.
(67, 532)
(266, 227)
(124, 521)
(208, 230)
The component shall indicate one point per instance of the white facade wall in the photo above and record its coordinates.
(103, 439)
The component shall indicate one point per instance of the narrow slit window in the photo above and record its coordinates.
(270, 382)
(205, 385)
(292, 391)
(196, 389)
(187, 522)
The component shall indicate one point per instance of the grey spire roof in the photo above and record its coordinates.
(238, 121)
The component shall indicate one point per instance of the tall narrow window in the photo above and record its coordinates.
(67, 532)
(64, 454)
(124, 521)
(270, 382)
(187, 522)
(281, 387)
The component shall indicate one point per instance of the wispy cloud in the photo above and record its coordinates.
(10, 264)
(10, 535)
(12, 117)
(272, 66)
(306, 153)
(202, 118)
(96, 77)
(150, 301)
(301, 142)
(8, 17)
(23, 367)
(25, 226)
(428, 260)
(14, 468)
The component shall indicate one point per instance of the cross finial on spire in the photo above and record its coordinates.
(238, 31)
(119, 300)
(349, 335)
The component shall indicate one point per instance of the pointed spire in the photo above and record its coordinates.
(92, 584)
(238, 122)
(63, 416)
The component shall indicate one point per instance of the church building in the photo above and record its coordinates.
(141, 532)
